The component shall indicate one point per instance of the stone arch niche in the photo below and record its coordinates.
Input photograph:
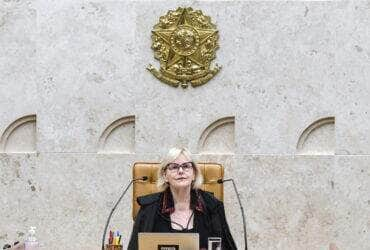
(20, 136)
(318, 138)
(118, 137)
(218, 137)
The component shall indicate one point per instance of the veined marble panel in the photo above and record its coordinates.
(19, 199)
(289, 71)
(18, 61)
(353, 74)
(351, 181)
(165, 109)
(304, 202)
(85, 80)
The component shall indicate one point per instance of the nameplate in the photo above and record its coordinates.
(168, 247)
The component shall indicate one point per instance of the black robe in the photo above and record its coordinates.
(153, 208)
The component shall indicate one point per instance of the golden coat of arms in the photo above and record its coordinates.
(185, 43)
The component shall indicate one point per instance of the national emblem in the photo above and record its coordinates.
(185, 42)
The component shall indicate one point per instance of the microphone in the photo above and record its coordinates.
(219, 181)
(144, 178)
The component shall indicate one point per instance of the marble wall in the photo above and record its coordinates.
(288, 116)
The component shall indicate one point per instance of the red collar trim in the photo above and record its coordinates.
(168, 207)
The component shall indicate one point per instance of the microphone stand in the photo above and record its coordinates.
(144, 178)
(241, 208)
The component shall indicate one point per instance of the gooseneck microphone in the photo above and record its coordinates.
(241, 208)
(144, 178)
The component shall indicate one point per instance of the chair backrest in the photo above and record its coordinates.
(211, 173)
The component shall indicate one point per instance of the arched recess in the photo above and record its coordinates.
(318, 138)
(218, 137)
(118, 137)
(20, 136)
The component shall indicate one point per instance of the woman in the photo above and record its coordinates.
(182, 206)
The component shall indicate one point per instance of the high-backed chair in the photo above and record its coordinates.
(211, 173)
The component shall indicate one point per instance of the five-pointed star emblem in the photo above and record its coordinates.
(186, 24)
(185, 43)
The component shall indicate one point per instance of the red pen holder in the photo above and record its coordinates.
(113, 247)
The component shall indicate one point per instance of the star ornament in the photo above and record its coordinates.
(185, 42)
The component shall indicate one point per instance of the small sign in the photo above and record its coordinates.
(168, 247)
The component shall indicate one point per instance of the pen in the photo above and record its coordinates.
(110, 237)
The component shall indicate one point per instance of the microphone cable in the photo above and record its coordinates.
(144, 178)
(240, 206)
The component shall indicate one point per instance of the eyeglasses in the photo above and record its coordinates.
(174, 167)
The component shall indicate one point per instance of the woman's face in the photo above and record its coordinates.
(180, 173)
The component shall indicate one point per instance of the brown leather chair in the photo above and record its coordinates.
(211, 173)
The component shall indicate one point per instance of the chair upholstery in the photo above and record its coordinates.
(211, 173)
